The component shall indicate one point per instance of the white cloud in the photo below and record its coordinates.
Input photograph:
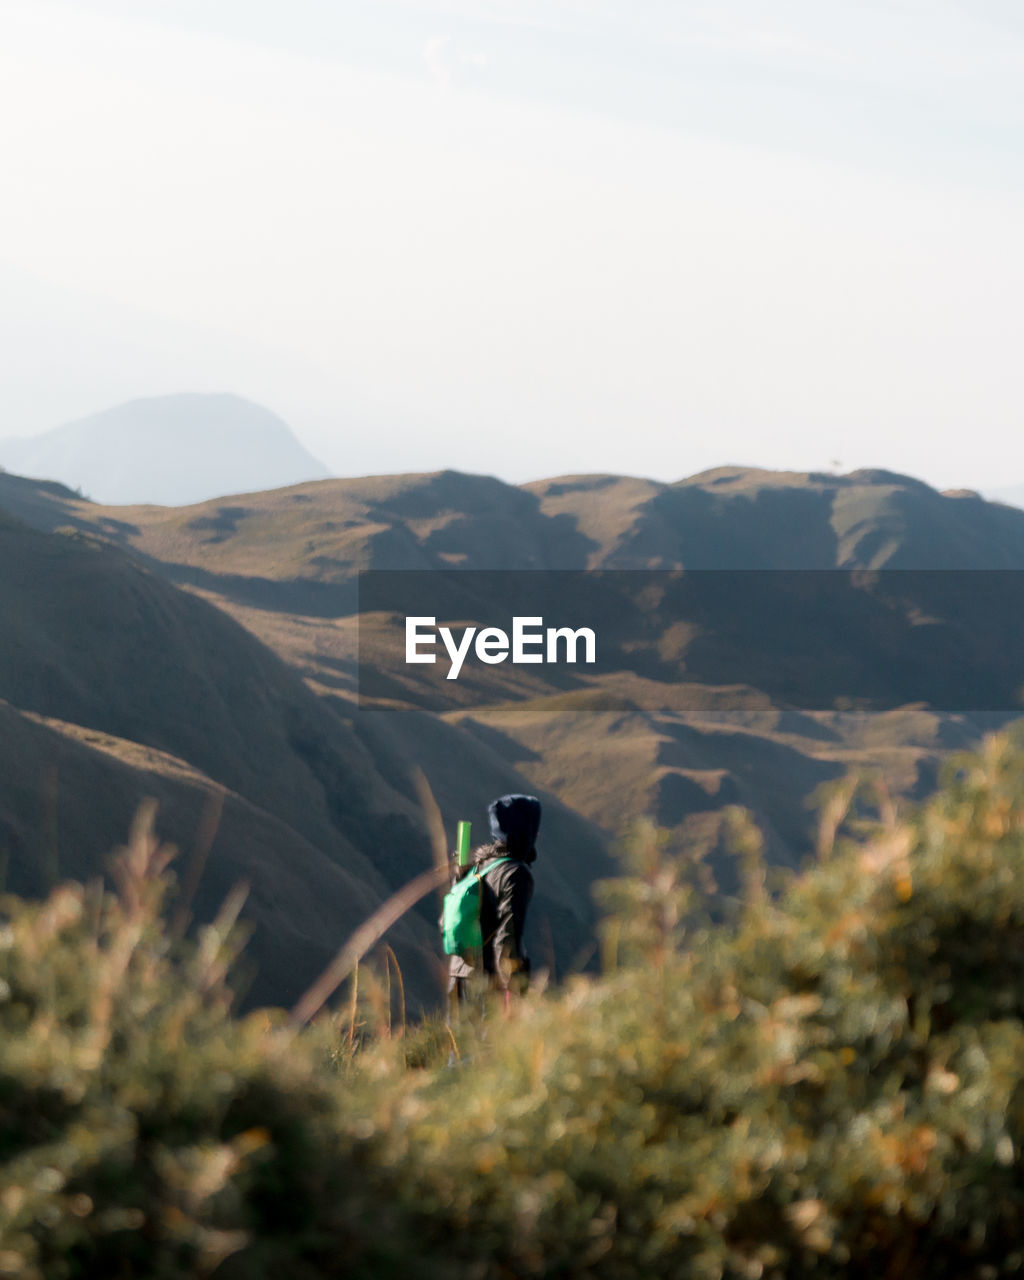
(538, 15)
(435, 55)
(903, 43)
(448, 63)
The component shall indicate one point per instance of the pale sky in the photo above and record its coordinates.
(527, 237)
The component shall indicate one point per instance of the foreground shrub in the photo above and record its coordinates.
(143, 1130)
(834, 1085)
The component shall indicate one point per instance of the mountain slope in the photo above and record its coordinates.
(746, 518)
(309, 536)
(135, 669)
(69, 796)
(283, 564)
(92, 638)
(169, 449)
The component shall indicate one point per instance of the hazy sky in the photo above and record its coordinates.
(527, 237)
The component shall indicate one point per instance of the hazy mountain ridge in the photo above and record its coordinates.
(743, 519)
(273, 559)
(168, 450)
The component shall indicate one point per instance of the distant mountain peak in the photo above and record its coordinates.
(169, 450)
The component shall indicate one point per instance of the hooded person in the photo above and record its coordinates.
(506, 887)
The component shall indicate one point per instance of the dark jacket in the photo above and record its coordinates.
(505, 894)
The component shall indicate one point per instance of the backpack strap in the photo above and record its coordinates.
(482, 871)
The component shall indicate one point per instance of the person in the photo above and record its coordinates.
(505, 893)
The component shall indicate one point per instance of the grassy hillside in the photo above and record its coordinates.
(732, 517)
(684, 770)
(284, 561)
(69, 792)
(746, 518)
(164, 670)
(92, 638)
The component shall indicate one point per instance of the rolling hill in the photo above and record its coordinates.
(117, 626)
(168, 697)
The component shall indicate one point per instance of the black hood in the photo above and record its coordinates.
(515, 820)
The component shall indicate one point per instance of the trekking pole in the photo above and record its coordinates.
(462, 843)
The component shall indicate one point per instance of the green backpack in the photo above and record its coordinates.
(460, 912)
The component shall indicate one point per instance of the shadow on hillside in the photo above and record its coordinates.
(708, 530)
(347, 678)
(43, 504)
(291, 595)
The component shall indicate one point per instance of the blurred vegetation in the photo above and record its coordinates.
(830, 1085)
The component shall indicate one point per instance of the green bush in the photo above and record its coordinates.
(833, 1085)
(143, 1130)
